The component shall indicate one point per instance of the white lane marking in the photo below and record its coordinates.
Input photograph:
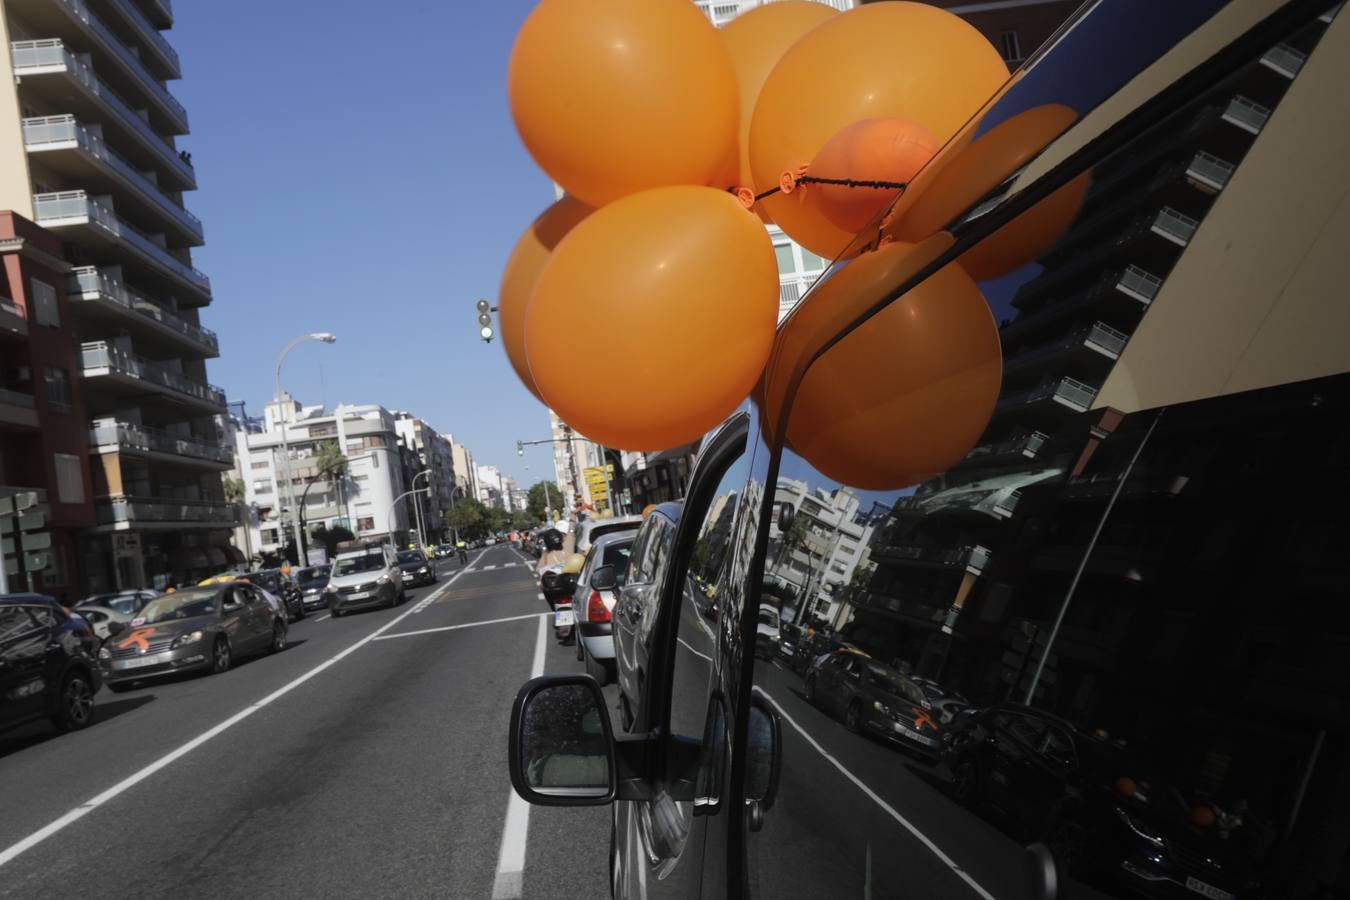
(324, 616)
(541, 596)
(385, 637)
(126, 784)
(489, 568)
(890, 810)
(693, 651)
(508, 883)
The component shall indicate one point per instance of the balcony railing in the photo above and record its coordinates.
(1138, 283)
(1174, 226)
(1004, 506)
(17, 398)
(1063, 391)
(164, 8)
(87, 283)
(101, 355)
(1105, 338)
(1285, 60)
(69, 207)
(1208, 171)
(1027, 445)
(51, 55)
(130, 510)
(126, 436)
(39, 133)
(1250, 117)
(129, 61)
(973, 558)
(147, 30)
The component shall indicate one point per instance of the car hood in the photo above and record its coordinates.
(355, 578)
(413, 566)
(158, 634)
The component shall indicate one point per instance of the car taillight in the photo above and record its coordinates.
(596, 610)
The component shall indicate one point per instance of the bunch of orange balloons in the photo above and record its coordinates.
(675, 142)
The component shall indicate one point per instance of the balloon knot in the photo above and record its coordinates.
(788, 181)
(746, 196)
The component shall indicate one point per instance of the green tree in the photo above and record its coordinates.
(497, 519)
(234, 489)
(541, 497)
(522, 520)
(468, 518)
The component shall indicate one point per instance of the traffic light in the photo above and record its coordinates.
(484, 320)
(520, 448)
(25, 547)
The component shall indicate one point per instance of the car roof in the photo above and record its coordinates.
(28, 597)
(614, 537)
(670, 510)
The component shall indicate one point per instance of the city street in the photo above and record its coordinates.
(367, 759)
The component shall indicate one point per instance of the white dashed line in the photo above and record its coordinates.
(324, 616)
(890, 810)
(515, 833)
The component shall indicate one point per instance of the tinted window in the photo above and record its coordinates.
(616, 554)
(181, 605)
(351, 565)
(408, 556)
(14, 622)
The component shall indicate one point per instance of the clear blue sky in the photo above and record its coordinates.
(359, 173)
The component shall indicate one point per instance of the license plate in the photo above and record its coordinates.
(1206, 890)
(563, 617)
(141, 661)
(359, 595)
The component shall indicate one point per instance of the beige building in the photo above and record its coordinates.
(87, 150)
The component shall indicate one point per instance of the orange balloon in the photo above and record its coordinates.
(612, 97)
(680, 285)
(522, 270)
(880, 60)
(1028, 236)
(892, 150)
(756, 41)
(906, 395)
(949, 188)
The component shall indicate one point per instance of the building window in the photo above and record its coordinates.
(1012, 47)
(262, 487)
(786, 262)
(365, 523)
(369, 442)
(269, 535)
(259, 465)
(69, 478)
(327, 430)
(58, 389)
(45, 309)
(811, 262)
(360, 478)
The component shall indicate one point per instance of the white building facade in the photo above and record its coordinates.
(833, 542)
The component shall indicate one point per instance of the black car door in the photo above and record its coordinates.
(660, 841)
(23, 652)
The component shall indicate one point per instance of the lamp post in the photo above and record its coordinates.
(417, 508)
(327, 338)
(389, 515)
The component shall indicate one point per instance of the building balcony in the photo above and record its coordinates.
(107, 368)
(1284, 60)
(1137, 283)
(1173, 226)
(1064, 392)
(121, 67)
(72, 149)
(1006, 505)
(18, 408)
(75, 214)
(159, 11)
(46, 68)
(99, 293)
(144, 33)
(1094, 343)
(1142, 482)
(155, 514)
(159, 445)
(12, 321)
(1250, 116)
(1209, 173)
(972, 558)
(1026, 446)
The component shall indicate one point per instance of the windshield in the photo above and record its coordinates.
(411, 556)
(768, 617)
(180, 605)
(892, 682)
(371, 562)
(312, 574)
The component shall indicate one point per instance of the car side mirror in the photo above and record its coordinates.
(116, 628)
(764, 761)
(1044, 877)
(604, 579)
(561, 748)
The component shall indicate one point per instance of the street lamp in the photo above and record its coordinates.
(417, 508)
(389, 515)
(327, 338)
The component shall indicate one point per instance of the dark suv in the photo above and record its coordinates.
(47, 663)
(1116, 518)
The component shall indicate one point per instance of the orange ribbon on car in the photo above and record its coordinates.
(140, 637)
(921, 718)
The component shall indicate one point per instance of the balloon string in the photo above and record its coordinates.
(842, 182)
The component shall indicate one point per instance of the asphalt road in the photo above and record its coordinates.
(367, 759)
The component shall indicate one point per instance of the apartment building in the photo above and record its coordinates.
(435, 456)
(88, 132)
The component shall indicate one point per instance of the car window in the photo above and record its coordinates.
(1056, 746)
(617, 554)
(254, 597)
(353, 565)
(14, 622)
(409, 556)
(125, 605)
(182, 604)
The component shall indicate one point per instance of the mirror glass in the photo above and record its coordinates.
(602, 579)
(564, 750)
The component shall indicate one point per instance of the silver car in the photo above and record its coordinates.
(199, 628)
(593, 602)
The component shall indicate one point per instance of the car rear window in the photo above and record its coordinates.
(616, 555)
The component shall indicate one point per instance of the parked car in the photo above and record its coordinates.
(590, 530)
(1170, 370)
(128, 602)
(416, 568)
(363, 578)
(203, 628)
(791, 635)
(311, 581)
(593, 601)
(47, 663)
(875, 699)
(100, 618)
(767, 632)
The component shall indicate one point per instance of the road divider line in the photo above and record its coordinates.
(386, 637)
(876, 798)
(693, 651)
(126, 784)
(324, 616)
(510, 879)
